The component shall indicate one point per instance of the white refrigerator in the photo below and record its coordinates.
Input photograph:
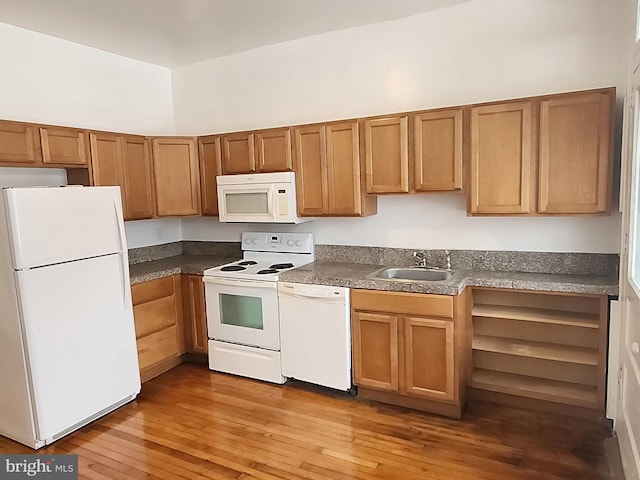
(67, 338)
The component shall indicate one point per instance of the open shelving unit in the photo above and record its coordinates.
(543, 346)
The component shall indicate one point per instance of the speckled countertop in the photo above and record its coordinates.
(354, 275)
(189, 264)
(349, 266)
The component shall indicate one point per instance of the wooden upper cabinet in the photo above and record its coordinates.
(137, 177)
(64, 146)
(575, 153)
(18, 143)
(343, 169)
(311, 170)
(238, 153)
(210, 167)
(327, 165)
(375, 350)
(106, 159)
(176, 175)
(124, 161)
(501, 156)
(438, 150)
(274, 153)
(429, 342)
(386, 146)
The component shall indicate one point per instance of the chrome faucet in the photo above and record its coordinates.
(421, 259)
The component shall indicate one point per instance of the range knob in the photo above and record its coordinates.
(254, 241)
(290, 243)
(247, 240)
(298, 243)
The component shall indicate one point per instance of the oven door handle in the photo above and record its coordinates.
(239, 283)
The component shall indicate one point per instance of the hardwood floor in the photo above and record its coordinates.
(191, 423)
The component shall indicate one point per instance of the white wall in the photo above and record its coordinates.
(435, 221)
(142, 233)
(48, 80)
(477, 51)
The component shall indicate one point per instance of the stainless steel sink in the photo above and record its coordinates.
(412, 274)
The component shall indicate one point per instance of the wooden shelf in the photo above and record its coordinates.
(540, 315)
(546, 351)
(532, 387)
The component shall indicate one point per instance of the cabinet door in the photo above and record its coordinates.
(64, 146)
(18, 142)
(438, 150)
(429, 358)
(343, 169)
(138, 178)
(175, 169)
(575, 153)
(501, 152)
(386, 146)
(311, 170)
(106, 161)
(195, 317)
(238, 153)
(210, 167)
(274, 150)
(375, 350)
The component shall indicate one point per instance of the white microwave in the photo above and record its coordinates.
(258, 198)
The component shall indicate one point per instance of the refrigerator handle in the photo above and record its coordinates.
(126, 288)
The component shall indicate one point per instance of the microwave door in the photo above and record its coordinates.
(241, 203)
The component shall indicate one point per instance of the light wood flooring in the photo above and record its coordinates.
(191, 423)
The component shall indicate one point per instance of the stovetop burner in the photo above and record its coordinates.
(232, 268)
(266, 271)
(280, 266)
(248, 262)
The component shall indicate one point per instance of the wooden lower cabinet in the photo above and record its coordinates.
(540, 350)
(411, 349)
(157, 313)
(195, 315)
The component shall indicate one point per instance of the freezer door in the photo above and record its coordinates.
(79, 338)
(55, 225)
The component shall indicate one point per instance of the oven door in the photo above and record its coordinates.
(246, 203)
(243, 312)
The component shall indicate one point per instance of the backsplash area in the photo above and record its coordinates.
(604, 264)
(498, 261)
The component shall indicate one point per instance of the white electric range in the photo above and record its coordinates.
(242, 304)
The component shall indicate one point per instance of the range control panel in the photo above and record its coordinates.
(278, 242)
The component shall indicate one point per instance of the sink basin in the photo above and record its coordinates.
(412, 274)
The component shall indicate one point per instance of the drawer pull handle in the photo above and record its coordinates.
(635, 348)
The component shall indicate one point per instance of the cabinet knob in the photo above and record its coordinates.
(635, 348)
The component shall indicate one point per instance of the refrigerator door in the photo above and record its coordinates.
(55, 225)
(79, 338)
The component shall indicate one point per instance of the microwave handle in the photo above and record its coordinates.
(272, 208)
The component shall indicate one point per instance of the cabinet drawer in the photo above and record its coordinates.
(403, 303)
(158, 346)
(155, 315)
(152, 290)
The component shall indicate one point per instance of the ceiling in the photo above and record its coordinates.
(178, 32)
